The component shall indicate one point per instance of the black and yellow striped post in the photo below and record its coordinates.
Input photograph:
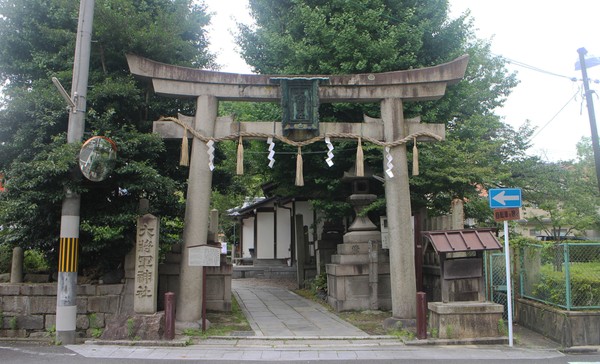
(68, 255)
(69, 250)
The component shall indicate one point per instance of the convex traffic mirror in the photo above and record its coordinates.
(97, 158)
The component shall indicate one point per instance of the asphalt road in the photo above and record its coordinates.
(27, 352)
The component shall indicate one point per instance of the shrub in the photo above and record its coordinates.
(34, 262)
(5, 258)
(585, 285)
(319, 283)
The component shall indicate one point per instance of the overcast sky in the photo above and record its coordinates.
(544, 35)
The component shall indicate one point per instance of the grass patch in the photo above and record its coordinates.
(369, 321)
(223, 323)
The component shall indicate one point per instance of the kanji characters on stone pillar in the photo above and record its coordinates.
(146, 264)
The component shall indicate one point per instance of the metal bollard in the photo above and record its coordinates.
(169, 315)
(421, 315)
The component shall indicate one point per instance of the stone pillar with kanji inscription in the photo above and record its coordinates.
(146, 265)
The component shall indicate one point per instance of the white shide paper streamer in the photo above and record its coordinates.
(389, 164)
(271, 152)
(211, 154)
(329, 160)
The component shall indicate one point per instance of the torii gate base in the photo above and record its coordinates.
(390, 89)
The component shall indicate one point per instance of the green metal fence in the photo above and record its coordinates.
(565, 275)
(495, 267)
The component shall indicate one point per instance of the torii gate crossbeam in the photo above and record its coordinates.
(391, 89)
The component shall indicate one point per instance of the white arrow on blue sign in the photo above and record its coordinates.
(505, 197)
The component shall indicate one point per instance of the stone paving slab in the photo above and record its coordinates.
(310, 349)
(309, 340)
(278, 312)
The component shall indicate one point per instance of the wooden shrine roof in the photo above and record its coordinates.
(450, 241)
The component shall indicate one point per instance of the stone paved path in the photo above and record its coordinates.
(278, 312)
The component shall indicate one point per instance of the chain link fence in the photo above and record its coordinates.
(496, 278)
(565, 274)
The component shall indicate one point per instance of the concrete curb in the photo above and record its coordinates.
(291, 338)
(161, 343)
(580, 350)
(473, 341)
(185, 341)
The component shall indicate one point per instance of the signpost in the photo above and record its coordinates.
(511, 213)
(204, 256)
(506, 203)
(505, 197)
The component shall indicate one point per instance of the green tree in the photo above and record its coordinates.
(562, 196)
(343, 36)
(37, 39)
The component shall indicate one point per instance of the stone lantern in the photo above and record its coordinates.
(358, 277)
(360, 199)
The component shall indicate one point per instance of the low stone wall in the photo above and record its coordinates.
(29, 310)
(569, 328)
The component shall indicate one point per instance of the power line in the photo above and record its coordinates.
(534, 68)
(540, 70)
(555, 115)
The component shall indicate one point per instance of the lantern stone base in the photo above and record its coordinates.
(466, 319)
(357, 282)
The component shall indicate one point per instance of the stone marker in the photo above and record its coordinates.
(146, 264)
(16, 269)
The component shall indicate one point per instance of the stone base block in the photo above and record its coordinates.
(353, 292)
(464, 320)
(137, 327)
(350, 259)
(354, 237)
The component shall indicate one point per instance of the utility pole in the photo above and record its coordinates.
(592, 115)
(66, 295)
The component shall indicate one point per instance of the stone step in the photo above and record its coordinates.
(270, 263)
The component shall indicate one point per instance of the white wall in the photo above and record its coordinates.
(265, 236)
(304, 208)
(247, 236)
(284, 233)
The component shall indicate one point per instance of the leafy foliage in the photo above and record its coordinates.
(37, 40)
(585, 286)
(342, 37)
(561, 197)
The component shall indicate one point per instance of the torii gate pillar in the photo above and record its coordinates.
(397, 196)
(197, 208)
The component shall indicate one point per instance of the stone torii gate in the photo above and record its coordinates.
(390, 89)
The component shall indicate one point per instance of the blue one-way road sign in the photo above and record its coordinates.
(505, 197)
